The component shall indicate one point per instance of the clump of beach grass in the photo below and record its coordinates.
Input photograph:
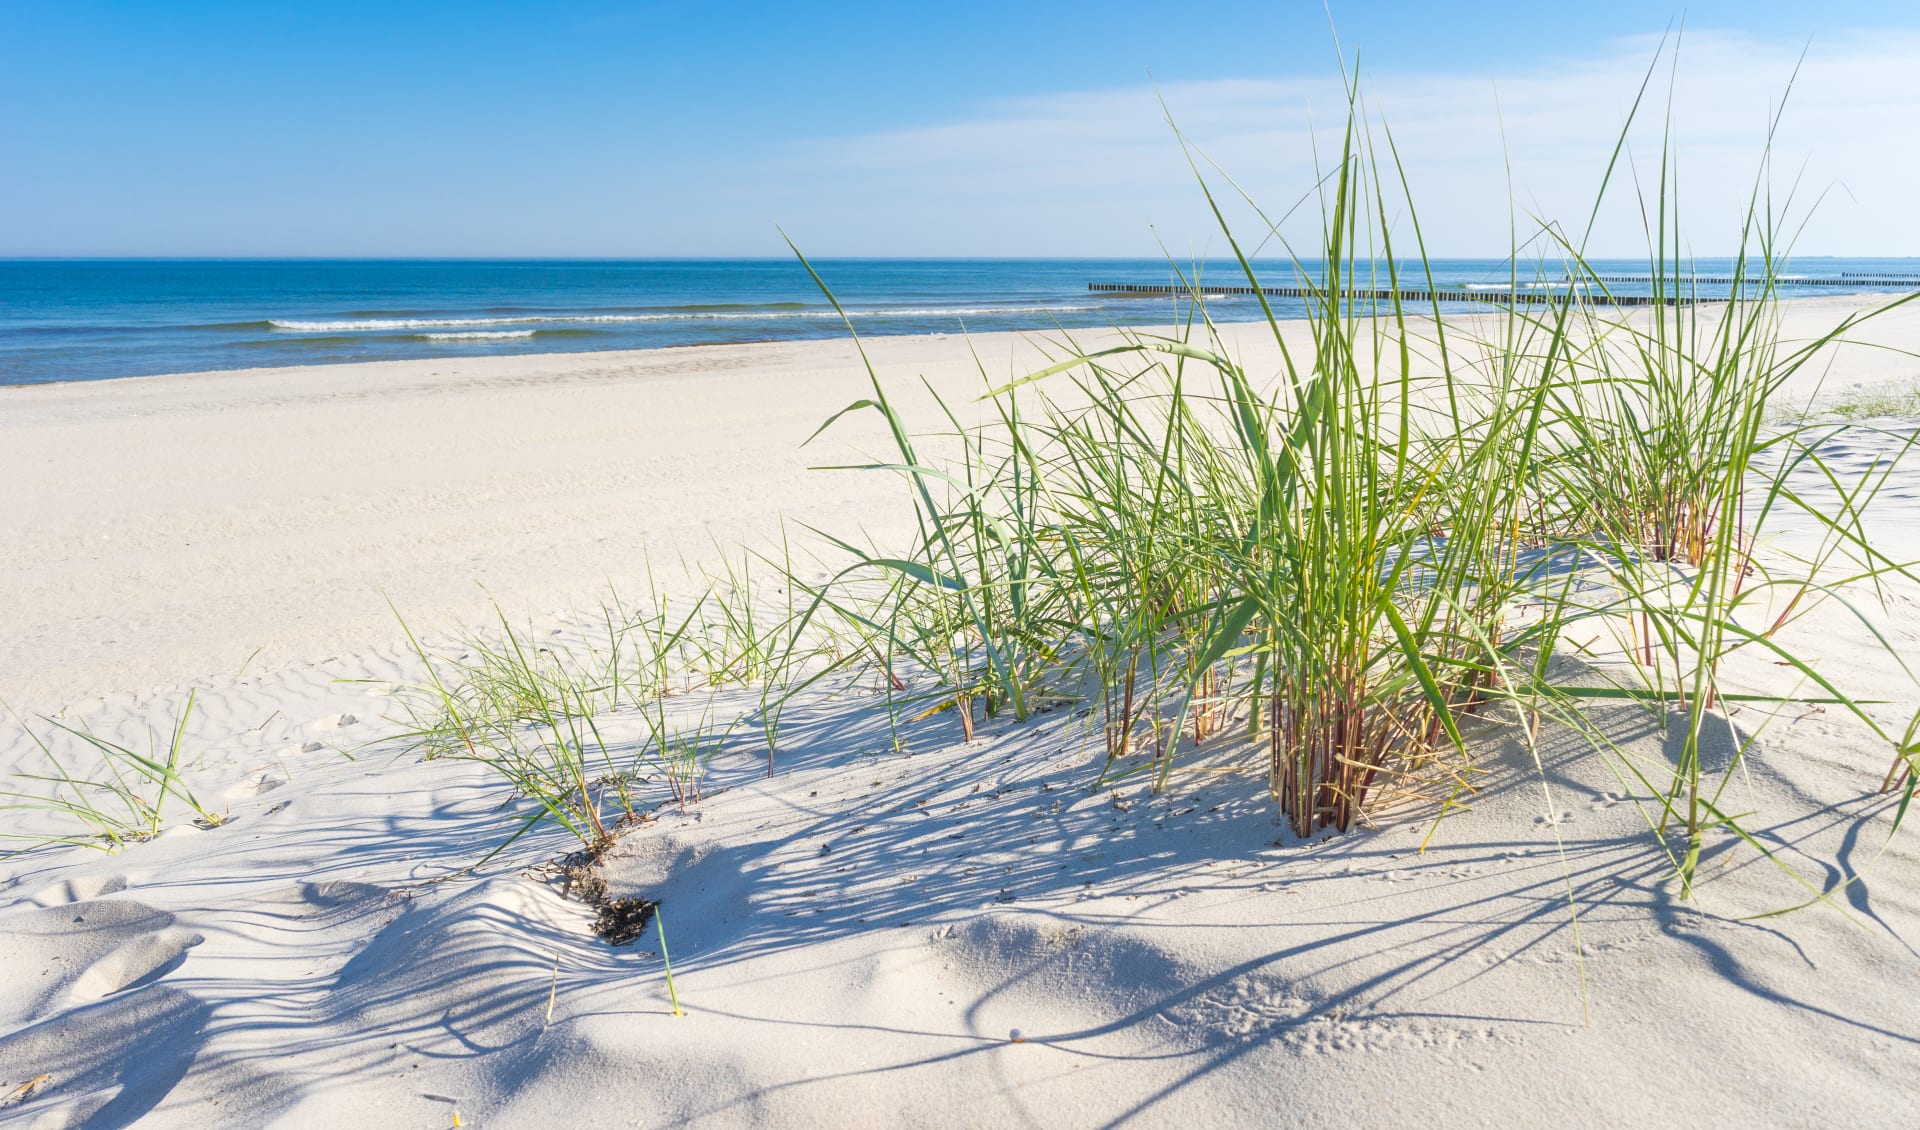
(123, 801)
(530, 716)
(597, 728)
(1668, 460)
(1861, 402)
(1343, 562)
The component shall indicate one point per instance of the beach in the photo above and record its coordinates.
(949, 932)
(178, 526)
(613, 566)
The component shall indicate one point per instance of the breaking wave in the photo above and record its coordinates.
(478, 335)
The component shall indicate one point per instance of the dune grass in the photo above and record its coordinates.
(1314, 575)
(124, 801)
(1900, 399)
(1341, 561)
(596, 729)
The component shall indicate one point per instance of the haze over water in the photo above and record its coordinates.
(92, 319)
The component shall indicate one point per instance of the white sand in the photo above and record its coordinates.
(855, 940)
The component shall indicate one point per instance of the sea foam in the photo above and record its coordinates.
(478, 335)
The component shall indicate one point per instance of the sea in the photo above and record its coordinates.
(97, 319)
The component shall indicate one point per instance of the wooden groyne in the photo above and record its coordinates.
(1497, 297)
(1728, 280)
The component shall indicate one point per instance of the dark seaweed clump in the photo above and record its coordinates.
(623, 920)
(580, 871)
(620, 921)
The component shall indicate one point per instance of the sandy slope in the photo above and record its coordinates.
(856, 940)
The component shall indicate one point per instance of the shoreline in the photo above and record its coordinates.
(1848, 301)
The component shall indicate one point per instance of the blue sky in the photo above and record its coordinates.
(890, 129)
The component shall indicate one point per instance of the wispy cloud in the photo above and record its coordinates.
(1087, 173)
(1095, 172)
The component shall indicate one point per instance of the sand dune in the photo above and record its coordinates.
(957, 934)
(859, 941)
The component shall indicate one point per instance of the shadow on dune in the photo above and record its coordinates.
(112, 1062)
(1368, 927)
(1087, 900)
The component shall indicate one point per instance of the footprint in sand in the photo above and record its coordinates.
(253, 786)
(335, 894)
(322, 899)
(1553, 819)
(79, 951)
(140, 961)
(79, 888)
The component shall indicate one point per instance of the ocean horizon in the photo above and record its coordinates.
(93, 319)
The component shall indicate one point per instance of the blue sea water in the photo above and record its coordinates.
(96, 318)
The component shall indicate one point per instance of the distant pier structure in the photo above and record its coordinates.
(1402, 295)
(1845, 278)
